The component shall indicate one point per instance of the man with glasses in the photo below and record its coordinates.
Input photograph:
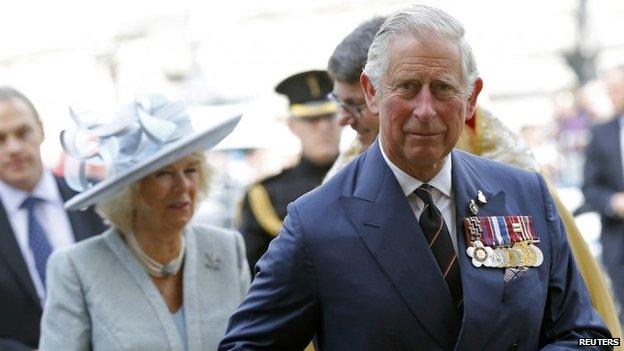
(312, 118)
(345, 67)
(353, 112)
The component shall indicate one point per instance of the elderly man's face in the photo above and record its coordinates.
(167, 197)
(422, 104)
(21, 135)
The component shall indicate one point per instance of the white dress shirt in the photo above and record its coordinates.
(442, 192)
(50, 214)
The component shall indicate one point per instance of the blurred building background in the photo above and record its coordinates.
(539, 61)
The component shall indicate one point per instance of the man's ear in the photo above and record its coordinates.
(293, 126)
(472, 100)
(41, 130)
(369, 94)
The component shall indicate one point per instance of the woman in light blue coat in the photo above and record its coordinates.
(154, 281)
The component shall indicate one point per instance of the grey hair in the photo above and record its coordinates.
(422, 22)
(349, 57)
(119, 210)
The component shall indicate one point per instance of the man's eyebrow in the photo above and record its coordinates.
(405, 79)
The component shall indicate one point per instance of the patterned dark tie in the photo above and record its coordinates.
(37, 238)
(437, 235)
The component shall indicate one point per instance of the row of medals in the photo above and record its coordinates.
(521, 254)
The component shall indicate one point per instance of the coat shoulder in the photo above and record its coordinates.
(208, 232)
(215, 237)
(494, 170)
(87, 247)
(605, 127)
(91, 252)
(276, 179)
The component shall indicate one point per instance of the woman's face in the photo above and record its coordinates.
(167, 197)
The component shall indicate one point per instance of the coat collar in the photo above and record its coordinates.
(384, 220)
(441, 181)
(192, 307)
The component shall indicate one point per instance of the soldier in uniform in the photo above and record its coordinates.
(312, 118)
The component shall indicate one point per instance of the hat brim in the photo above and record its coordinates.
(202, 140)
(312, 110)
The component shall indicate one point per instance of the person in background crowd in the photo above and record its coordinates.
(367, 260)
(603, 185)
(153, 281)
(33, 222)
(483, 135)
(345, 67)
(313, 120)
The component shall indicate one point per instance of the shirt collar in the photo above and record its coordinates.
(441, 181)
(46, 189)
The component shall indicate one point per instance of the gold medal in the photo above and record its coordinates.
(514, 256)
(528, 257)
(539, 256)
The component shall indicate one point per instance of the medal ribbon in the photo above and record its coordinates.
(499, 231)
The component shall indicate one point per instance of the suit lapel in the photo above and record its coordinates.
(154, 299)
(12, 255)
(384, 220)
(192, 306)
(482, 287)
(10, 252)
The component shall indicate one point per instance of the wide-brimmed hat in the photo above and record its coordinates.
(145, 136)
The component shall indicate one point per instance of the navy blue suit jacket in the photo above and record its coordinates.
(351, 267)
(20, 309)
(604, 176)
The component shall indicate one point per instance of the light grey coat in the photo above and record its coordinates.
(100, 298)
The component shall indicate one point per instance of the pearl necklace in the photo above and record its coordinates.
(153, 267)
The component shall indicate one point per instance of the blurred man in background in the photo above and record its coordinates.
(603, 185)
(313, 120)
(345, 67)
(33, 221)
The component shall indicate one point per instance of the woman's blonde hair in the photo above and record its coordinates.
(118, 211)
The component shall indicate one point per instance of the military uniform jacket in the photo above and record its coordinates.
(264, 205)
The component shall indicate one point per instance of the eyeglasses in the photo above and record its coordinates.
(354, 109)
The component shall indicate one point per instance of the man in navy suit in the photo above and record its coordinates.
(415, 245)
(603, 185)
(22, 176)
